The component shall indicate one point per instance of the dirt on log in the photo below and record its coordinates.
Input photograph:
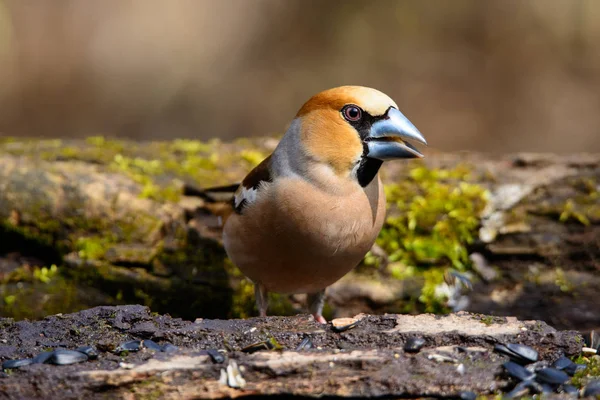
(129, 222)
(262, 354)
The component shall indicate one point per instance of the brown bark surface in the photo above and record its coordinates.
(367, 360)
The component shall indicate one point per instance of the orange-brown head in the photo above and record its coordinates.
(353, 129)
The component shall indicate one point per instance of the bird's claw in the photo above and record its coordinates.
(320, 319)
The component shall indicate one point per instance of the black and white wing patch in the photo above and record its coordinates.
(247, 191)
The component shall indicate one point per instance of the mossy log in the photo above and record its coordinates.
(129, 221)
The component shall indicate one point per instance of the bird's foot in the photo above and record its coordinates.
(315, 305)
(262, 299)
(320, 319)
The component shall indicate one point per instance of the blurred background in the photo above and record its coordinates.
(494, 75)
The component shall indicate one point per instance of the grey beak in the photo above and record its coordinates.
(386, 138)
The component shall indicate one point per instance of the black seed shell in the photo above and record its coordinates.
(414, 344)
(151, 345)
(551, 376)
(517, 371)
(89, 351)
(67, 357)
(42, 358)
(132, 345)
(9, 364)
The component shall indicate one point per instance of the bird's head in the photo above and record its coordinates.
(353, 129)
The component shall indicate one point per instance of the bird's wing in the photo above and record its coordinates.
(247, 191)
(220, 194)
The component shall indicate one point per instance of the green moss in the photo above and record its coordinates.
(592, 371)
(37, 292)
(203, 163)
(192, 146)
(92, 248)
(243, 300)
(563, 282)
(252, 157)
(159, 167)
(429, 298)
(148, 389)
(44, 274)
(570, 212)
(433, 218)
(583, 205)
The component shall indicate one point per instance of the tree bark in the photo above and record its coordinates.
(367, 360)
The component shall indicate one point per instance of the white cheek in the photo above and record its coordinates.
(354, 172)
(245, 194)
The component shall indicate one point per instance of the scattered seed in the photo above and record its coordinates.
(517, 371)
(527, 353)
(89, 351)
(534, 386)
(305, 344)
(67, 357)
(215, 356)
(234, 376)
(442, 358)
(151, 345)
(132, 345)
(547, 388)
(551, 376)
(125, 365)
(562, 363)
(223, 378)
(518, 353)
(537, 366)
(344, 324)
(574, 368)
(592, 389)
(169, 348)
(42, 358)
(414, 344)
(589, 350)
(520, 390)
(569, 389)
(9, 364)
(457, 279)
(502, 349)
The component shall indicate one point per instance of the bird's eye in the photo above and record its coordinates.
(352, 113)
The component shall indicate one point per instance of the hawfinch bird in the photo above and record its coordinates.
(309, 212)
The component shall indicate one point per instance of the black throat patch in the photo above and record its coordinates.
(367, 170)
(369, 167)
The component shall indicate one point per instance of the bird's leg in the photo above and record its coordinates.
(316, 301)
(262, 299)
